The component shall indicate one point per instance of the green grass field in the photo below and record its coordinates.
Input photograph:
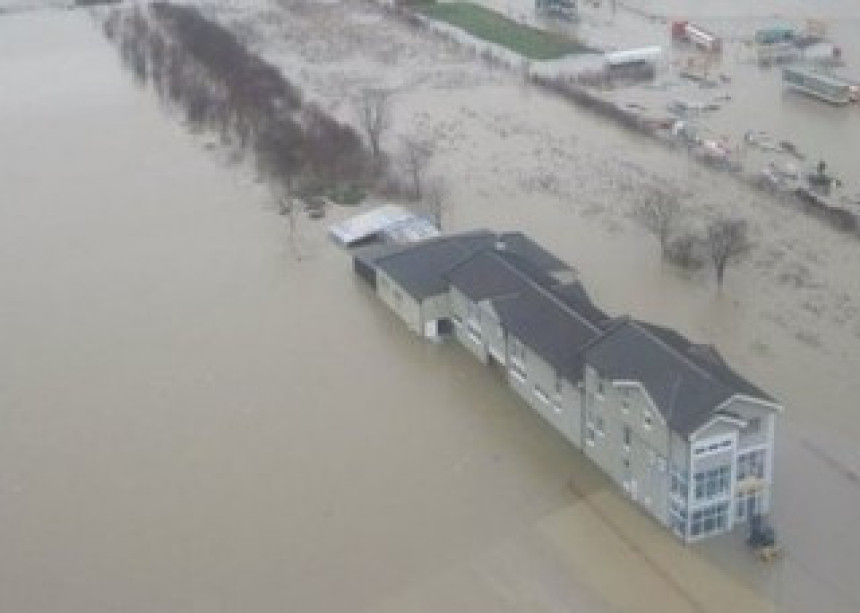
(491, 26)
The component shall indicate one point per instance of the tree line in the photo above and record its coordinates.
(196, 65)
(725, 241)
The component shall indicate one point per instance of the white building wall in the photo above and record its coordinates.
(467, 324)
(400, 302)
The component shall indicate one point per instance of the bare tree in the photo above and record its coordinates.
(435, 196)
(414, 159)
(727, 242)
(288, 207)
(372, 107)
(659, 210)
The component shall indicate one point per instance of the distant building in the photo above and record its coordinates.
(683, 435)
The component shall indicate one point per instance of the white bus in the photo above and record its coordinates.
(820, 85)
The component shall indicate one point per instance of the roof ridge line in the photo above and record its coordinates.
(616, 324)
(442, 238)
(548, 294)
(470, 256)
(683, 357)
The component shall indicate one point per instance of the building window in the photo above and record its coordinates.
(647, 419)
(708, 448)
(709, 484)
(678, 517)
(709, 520)
(556, 397)
(593, 425)
(753, 426)
(678, 486)
(628, 437)
(748, 504)
(598, 424)
(473, 321)
(601, 388)
(517, 355)
(751, 464)
(517, 372)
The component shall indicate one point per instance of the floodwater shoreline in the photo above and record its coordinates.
(807, 201)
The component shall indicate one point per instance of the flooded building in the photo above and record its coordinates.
(410, 279)
(684, 436)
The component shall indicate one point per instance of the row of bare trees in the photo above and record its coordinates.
(201, 68)
(372, 108)
(726, 239)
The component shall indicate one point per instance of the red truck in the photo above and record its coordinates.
(697, 35)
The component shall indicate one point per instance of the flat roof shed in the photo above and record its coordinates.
(391, 222)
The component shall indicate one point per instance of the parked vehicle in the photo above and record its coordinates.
(817, 84)
(563, 9)
(769, 36)
(697, 35)
(762, 540)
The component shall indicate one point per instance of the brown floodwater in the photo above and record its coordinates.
(193, 420)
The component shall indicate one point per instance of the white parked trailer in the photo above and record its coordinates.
(648, 55)
(822, 86)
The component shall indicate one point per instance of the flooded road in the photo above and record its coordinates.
(192, 420)
(757, 100)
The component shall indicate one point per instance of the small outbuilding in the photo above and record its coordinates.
(387, 223)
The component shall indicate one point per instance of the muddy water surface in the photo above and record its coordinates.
(192, 420)
(195, 421)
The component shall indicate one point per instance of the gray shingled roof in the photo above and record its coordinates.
(575, 297)
(513, 264)
(371, 253)
(420, 268)
(707, 357)
(559, 322)
(687, 382)
(486, 275)
(549, 328)
(521, 246)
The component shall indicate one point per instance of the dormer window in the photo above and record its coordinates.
(753, 425)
